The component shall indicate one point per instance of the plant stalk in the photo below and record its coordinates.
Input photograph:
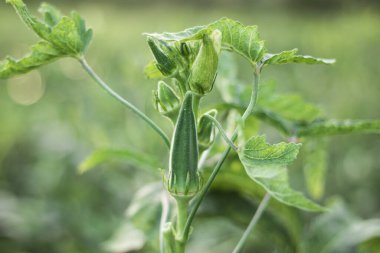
(122, 100)
(202, 194)
(264, 203)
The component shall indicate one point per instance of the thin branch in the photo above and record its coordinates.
(264, 203)
(125, 102)
(222, 132)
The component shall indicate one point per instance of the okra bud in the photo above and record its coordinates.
(203, 71)
(183, 179)
(165, 101)
(164, 56)
(206, 130)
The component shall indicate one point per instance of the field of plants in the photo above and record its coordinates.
(81, 173)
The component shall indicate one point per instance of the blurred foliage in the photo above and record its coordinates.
(51, 119)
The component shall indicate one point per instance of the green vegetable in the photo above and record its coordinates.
(183, 179)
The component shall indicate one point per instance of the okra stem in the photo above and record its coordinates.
(122, 100)
(222, 132)
(202, 194)
(264, 203)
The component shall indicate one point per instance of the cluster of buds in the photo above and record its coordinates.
(199, 61)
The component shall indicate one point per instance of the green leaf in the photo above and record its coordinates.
(130, 156)
(272, 106)
(241, 39)
(338, 231)
(142, 222)
(70, 35)
(266, 165)
(51, 14)
(315, 166)
(62, 36)
(334, 127)
(288, 106)
(292, 57)
(41, 54)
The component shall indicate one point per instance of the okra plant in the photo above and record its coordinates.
(186, 65)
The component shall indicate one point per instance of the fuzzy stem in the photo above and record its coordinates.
(222, 132)
(264, 203)
(218, 166)
(125, 102)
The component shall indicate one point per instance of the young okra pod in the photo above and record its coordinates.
(203, 71)
(183, 179)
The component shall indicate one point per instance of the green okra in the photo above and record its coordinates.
(183, 179)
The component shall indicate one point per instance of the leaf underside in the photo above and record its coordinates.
(266, 165)
(102, 155)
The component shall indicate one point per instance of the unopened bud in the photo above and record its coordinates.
(163, 55)
(166, 101)
(206, 130)
(203, 71)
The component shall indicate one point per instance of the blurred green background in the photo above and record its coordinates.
(51, 119)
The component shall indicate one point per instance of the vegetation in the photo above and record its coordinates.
(187, 64)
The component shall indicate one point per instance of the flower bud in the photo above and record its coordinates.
(163, 55)
(203, 71)
(166, 101)
(183, 179)
(206, 130)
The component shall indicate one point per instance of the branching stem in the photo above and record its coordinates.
(202, 194)
(222, 132)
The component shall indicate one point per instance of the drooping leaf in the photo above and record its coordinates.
(266, 165)
(130, 156)
(241, 39)
(62, 36)
(41, 54)
(315, 166)
(339, 231)
(334, 127)
(292, 57)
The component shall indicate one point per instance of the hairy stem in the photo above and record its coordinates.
(264, 203)
(164, 218)
(202, 194)
(222, 132)
(125, 102)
